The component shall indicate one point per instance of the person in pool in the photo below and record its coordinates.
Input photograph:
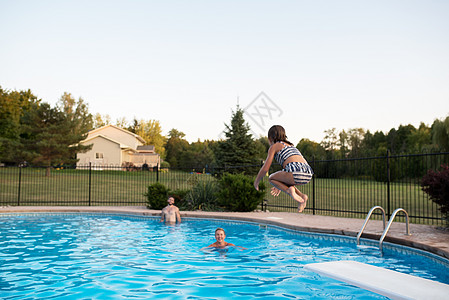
(220, 243)
(170, 214)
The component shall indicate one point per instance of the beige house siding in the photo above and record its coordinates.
(109, 150)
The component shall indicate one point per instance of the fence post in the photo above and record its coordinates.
(264, 208)
(313, 186)
(20, 184)
(157, 172)
(388, 185)
(90, 182)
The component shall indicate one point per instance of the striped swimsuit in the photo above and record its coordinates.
(302, 172)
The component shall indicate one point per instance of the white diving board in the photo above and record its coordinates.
(392, 284)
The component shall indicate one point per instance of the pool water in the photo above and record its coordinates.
(107, 256)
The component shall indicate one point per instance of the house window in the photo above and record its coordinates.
(99, 155)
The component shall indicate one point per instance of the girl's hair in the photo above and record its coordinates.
(277, 134)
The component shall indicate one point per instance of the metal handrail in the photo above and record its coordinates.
(367, 219)
(407, 228)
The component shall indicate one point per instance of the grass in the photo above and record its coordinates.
(336, 197)
(354, 198)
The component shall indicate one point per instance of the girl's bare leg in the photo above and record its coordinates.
(301, 205)
(284, 182)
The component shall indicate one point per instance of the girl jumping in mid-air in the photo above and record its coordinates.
(296, 170)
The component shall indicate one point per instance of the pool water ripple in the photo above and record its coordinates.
(67, 256)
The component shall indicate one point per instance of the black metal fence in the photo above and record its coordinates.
(345, 187)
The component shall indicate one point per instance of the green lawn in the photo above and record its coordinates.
(356, 197)
(331, 197)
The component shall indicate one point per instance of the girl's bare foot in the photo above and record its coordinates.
(292, 192)
(302, 205)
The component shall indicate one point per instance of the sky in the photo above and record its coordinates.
(306, 65)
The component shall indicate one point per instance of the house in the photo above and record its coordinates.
(115, 146)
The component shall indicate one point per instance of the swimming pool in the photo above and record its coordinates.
(111, 256)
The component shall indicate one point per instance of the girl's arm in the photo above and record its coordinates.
(265, 168)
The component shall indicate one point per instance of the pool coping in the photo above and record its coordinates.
(424, 237)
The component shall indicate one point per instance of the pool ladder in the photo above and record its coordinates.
(407, 228)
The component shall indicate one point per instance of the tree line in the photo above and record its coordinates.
(33, 131)
(406, 139)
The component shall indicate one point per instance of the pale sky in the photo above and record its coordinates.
(319, 64)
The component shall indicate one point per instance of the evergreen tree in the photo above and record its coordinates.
(50, 136)
(238, 148)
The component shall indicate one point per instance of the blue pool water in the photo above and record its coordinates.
(106, 256)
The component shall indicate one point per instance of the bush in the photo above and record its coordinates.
(164, 164)
(203, 196)
(436, 185)
(237, 193)
(157, 195)
(180, 197)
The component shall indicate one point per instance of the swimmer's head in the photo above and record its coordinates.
(220, 234)
(171, 200)
(219, 229)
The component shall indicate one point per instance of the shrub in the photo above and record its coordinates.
(237, 193)
(180, 197)
(157, 196)
(164, 164)
(436, 185)
(203, 196)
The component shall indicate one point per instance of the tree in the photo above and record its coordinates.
(13, 105)
(330, 140)
(198, 155)
(262, 145)
(311, 150)
(175, 146)
(436, 185)
(151, 132)
(50, 136)
(343, 143)
(238, 148)
(100, 121)
(440, 134)
(355, 140)
(121, 122)
(134, 126)
(420, 139)
(77, 115)
(398, 139)
(374, 144)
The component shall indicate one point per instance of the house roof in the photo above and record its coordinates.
(145, 148)
(121, 129)
(122, 146)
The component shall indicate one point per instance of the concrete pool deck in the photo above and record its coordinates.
(424, 237)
